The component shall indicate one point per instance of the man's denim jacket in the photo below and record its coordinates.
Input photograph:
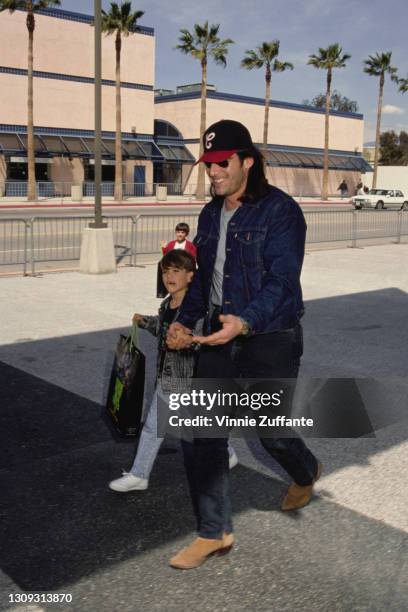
(264, 254)
(177, 367)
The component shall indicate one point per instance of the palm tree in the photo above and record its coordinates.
(402, 85)
(328, 59)
(265, 56)
(200, 44)
(30, 6)
(378, 65)
(121, 22)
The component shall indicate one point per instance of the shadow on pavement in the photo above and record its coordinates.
(64, 525)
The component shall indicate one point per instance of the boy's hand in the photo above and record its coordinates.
(137, 318)
(163, 244)
(231, 327)
(178, 337)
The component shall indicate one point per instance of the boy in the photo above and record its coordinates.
(182, 231)
(177, 267)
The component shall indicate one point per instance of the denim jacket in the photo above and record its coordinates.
(265, 247)
(176, 366)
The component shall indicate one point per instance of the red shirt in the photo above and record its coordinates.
(189, 247)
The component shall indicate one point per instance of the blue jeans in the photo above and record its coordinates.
(149, 442)
(272, 355)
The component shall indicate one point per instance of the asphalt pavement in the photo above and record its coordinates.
(64, 531)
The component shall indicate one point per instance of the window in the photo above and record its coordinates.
(166, 129)
(18, 171)
(108, 173)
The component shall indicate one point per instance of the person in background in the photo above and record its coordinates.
(182, 231)
(343, 188)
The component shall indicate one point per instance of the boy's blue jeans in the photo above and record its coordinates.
(149, 442)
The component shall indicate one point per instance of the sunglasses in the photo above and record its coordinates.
(222, 164)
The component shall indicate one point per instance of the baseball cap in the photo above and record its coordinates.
(224, 138)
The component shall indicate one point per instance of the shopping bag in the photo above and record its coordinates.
(126, 388)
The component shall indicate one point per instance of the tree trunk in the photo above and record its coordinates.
(200, 193)
(378, 130)
(31, 185)
(266, 117)
(118, 134)
(325, 182)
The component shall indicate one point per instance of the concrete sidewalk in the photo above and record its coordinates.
(66, 532)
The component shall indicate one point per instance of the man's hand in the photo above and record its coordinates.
(231, 327)
(178, 337)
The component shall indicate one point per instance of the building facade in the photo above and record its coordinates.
(295, 137)
(64, 102)
(159, 134)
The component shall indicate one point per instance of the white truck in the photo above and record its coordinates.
(380, 199)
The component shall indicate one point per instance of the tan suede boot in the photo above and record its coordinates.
(200, 550)
(298, 496)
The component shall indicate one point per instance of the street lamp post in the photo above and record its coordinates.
(97, 248)
(98, 223)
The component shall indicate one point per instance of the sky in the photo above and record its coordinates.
(361, 27)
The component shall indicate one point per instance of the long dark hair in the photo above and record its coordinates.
(257, 185)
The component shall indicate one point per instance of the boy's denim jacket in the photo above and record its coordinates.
(178, 366)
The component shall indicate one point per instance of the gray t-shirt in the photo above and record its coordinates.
(218, 274)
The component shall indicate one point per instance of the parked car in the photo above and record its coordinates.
(381, 198)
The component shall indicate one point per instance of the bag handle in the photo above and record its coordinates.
(134, 335)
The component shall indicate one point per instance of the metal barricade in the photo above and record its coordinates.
(56, 238)
(14, 243)
(329, 226)
(60, 238)
(124, 236)
(376, 224)
(151, 230)
(46, 238)
(403, 224)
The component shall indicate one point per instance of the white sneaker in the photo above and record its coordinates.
(128, 482)
(233, 460)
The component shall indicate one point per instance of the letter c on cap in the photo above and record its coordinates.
(209, 137)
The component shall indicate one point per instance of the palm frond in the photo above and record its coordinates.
(329, 58)
(22, 5)
(204, 41)
(379, 64)
(13, 5)
(120, 19)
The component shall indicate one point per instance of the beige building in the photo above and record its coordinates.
(295, 137)
(160, 135)
(64, 103)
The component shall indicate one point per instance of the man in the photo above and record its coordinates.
(250, 247)
(343, 188)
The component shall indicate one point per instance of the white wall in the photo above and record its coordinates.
(389, 177)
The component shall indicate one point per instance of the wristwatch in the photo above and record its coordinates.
(246, 328)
